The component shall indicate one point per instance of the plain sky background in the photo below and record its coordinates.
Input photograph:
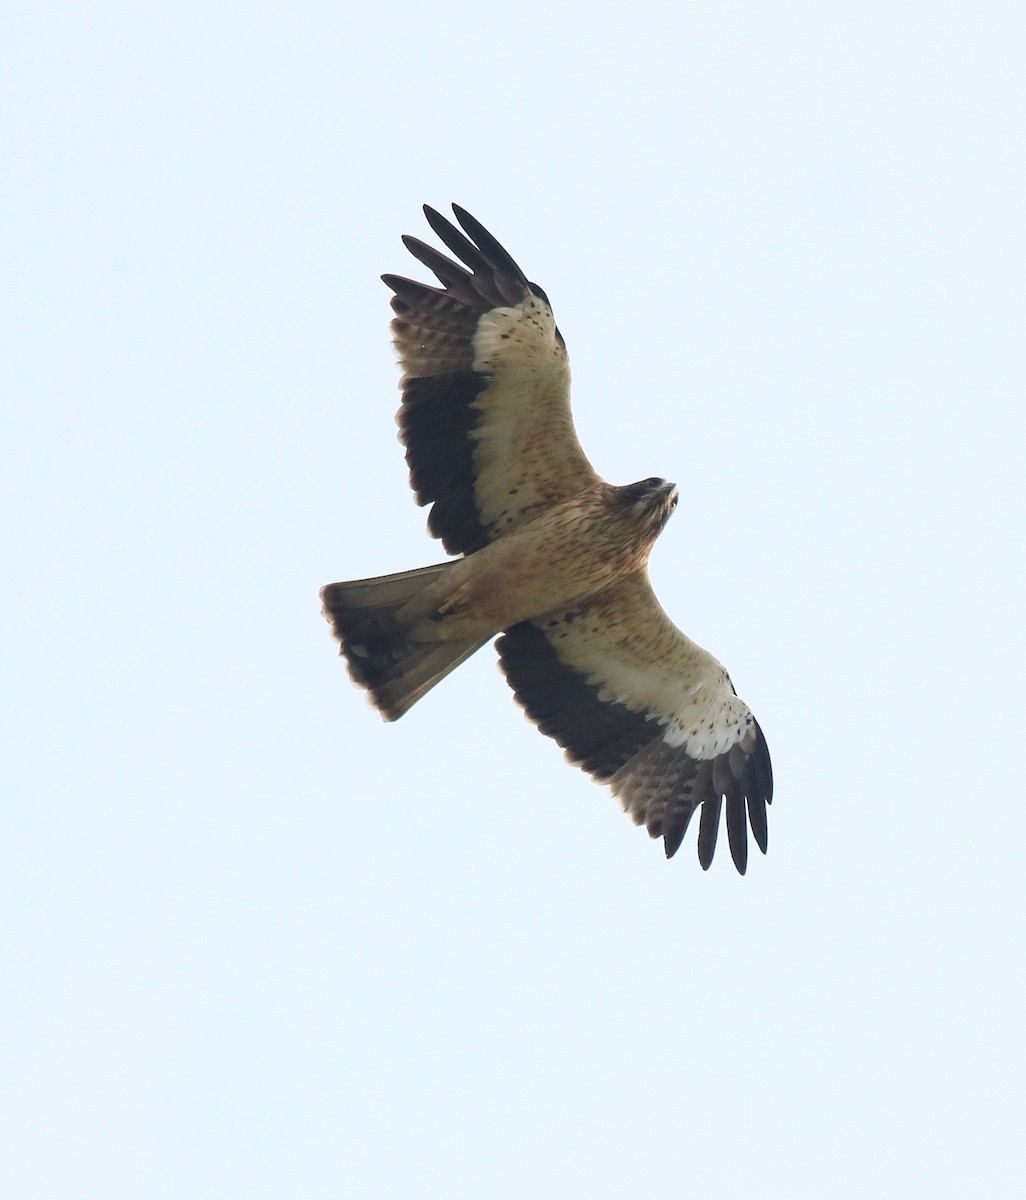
(257, 943)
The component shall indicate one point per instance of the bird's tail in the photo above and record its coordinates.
(365, 616)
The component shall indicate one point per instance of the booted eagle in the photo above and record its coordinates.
(552, 557)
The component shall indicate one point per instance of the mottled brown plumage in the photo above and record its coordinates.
(553, 558)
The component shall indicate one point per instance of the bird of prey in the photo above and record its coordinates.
(551, 557)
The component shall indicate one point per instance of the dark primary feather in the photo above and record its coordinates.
(496, 271)
(469, 289)
(495, 255)
(660, 785)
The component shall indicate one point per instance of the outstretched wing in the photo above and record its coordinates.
(639, 706)
(485, 415)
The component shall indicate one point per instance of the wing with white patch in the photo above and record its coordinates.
(485, 415)
(639, 706)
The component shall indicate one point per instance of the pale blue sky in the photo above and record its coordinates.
(257, 943)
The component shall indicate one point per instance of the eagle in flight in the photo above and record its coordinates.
(551, 557)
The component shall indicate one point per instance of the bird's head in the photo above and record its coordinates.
(650, 502)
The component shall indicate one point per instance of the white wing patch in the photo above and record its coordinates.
(520, 333)
(710, 725)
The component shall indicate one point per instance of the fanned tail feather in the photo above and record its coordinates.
(366, 619)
